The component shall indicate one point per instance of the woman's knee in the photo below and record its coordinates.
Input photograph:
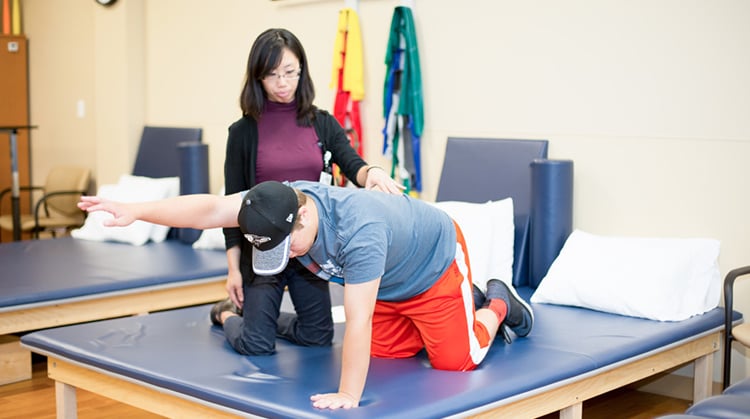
(254, 346)
(316, 337)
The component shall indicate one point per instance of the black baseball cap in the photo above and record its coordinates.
(266, 218)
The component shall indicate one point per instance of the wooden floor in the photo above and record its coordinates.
(35, 399)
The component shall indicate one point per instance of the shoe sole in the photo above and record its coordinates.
(223, 305)
(518, 298)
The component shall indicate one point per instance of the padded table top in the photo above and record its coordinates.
(180, 350)
(44, 271)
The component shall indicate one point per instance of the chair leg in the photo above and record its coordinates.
(727, 361)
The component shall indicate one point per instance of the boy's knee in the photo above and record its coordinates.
(453, 364)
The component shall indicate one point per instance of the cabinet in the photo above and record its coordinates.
(14, 110)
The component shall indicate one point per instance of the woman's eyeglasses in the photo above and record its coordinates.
(290, 75)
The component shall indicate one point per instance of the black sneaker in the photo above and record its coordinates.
(520, 318)
(478, 297)
(222, 306)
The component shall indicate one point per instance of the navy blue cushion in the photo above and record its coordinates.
(682, 416)
(725, 406)
(741, 387)
(480, 169)
(158, 155)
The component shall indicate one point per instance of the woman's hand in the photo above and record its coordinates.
(378, 180)
(234, 287)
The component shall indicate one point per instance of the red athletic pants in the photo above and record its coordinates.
(441, 320)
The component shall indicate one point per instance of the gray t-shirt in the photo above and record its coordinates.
(364, 235)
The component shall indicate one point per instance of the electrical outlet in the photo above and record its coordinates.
(81, 108)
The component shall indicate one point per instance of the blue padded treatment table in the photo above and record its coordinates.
(180, 351)
(49, 283)
(61, 281)
(54, 282)
(42, 272)
(176, 364)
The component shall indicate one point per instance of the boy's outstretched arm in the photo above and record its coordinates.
(199, 211)
(359, 305)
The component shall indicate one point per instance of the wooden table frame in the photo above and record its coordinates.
(567, 397)
(131, 302)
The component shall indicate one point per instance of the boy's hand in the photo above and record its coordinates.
(118, 210)
(334, 401)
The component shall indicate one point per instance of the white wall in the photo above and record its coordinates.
(650, 98)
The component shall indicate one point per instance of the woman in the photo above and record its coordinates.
(282, 136)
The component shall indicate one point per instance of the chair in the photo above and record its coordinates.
(56, 208)
(740, 332)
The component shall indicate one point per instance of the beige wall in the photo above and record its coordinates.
(61, 72)
(648, 97)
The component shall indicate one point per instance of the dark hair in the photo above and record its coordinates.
(265, 56)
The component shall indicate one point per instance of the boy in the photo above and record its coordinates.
(403, 261)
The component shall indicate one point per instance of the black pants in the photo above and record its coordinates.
(262, 322)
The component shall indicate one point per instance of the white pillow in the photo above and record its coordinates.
(489, 233)
(666, 279)
(211, 238)
(165, 187)
(129, 189)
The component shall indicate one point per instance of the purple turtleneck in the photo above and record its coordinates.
(286, 151)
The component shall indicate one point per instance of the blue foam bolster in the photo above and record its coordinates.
(193, 179)
(722, 406)
(37, 271)
(551, 213)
